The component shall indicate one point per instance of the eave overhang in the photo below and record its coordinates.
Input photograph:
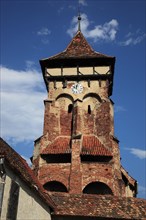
(78, 54)
(79, 62)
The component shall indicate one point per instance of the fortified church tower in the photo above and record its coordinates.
(78, 153)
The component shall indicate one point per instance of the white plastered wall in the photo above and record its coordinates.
(30, 206)
(73, 70)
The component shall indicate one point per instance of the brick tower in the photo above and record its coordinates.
(78, 153)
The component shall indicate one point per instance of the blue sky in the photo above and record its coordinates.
(35, 29)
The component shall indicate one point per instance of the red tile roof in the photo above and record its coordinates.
(79, 48)
(61, 145)
(92, 146)
(19, 166)
(104, 207)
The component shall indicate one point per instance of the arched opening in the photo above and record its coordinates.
(55, 186)
(70, 108)
(98, 188)
(89, 109)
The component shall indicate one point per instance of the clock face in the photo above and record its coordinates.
(77, 88)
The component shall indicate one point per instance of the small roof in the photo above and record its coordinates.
(92, 146)
(61, 145)
(19, 166)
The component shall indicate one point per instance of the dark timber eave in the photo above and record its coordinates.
(78, 54)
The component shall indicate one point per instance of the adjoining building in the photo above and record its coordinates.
(21, 194)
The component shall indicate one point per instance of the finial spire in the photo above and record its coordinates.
(79, 22)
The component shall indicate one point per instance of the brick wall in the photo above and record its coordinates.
(73, 117)
(55, 172)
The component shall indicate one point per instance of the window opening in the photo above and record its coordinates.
(97, 188)
(99, 83)
(13, 201)
(55, 186)
(70, 107)
(89, 109)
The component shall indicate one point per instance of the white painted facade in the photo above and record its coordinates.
(30, 205)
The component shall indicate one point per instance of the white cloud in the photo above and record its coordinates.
(44, 31)
(127, 42)
(22, 95)
(141, 154)
(106, 32)
(142, 190)
(61, 9)
(72, 7)
(118, 108)
(133, 38)
(45, 40)
(30, 64)
(83, 2)
(43, 34)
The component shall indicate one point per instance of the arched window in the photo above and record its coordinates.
(98, 188)
(55, 186)
(70, 107)
(89, 109)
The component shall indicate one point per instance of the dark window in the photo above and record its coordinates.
(2, 184)
(70, 107)
(57, 158)
(125, 180)
(89, 109)
(13, 201)
(97, 188)
(94, 158)
(55, 186)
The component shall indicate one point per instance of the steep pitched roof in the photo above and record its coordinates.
(61, 145)
(78, 53)
(79, 48)
(19, 166)
(92, 146)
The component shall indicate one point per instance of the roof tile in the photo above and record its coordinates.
(61, 145)
(92, 146)
(79, 48)
(104, 207)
